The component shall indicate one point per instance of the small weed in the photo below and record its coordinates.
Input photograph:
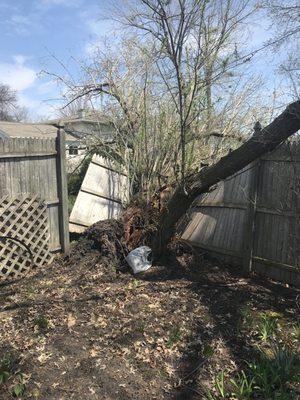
(209, 395)
(246, 315)
(141, 326)
(243, 386)
(20, 387)
(285, 363)
(134, 284)
(6, 365)
(113, 269)
(174, 337)
(8, 373)
(41, 322)
(274, 314)
(4, 375)
(296, 331)
(220, 384)
(30, 292)
(208, 351)
(267, 326)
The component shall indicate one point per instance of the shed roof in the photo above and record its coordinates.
(85, 116)
(23, 130)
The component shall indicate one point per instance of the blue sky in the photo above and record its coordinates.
(32, 31)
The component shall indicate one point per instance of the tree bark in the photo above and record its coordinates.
(285, 125)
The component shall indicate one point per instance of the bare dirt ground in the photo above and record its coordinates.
(82, 329)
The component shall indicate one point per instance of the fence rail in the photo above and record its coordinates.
(253, 218)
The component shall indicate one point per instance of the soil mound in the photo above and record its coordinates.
(108, 238)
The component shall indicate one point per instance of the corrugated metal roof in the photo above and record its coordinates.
(23, 130)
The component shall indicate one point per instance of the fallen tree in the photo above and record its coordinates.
(262, 142)
(156, 225)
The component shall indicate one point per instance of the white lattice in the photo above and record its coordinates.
(25, 219)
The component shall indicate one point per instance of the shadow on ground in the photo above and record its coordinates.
(224, 292)
(83, 329)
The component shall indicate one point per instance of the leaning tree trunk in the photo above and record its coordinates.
(285, 125)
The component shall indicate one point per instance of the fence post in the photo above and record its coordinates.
(62, 190)
(249, 233)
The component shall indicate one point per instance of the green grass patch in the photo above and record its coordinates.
(174, 337)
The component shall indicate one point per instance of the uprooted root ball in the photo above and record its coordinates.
(108, 238)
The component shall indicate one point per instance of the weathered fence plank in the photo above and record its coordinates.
(249, 232)
(63, 190)
(101, 195)
(253, 218)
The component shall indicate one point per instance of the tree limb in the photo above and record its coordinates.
(285, 125)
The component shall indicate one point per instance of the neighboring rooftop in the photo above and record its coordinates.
(88, 116)
(23, 130)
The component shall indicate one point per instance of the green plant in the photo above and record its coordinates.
(71, 202)
(220, 384)
(4, 375)
(246, 315)
(42, 322)
(267, 326)
(135, 283)
(30, 292)
(285, 363)
(268, 378)
(219, 388)
(243, 386)
(132, 285)
(20, 387)
(274, 314)
(8, 371)
(207, 351)
(209, 395)
(5, 367)
(271, 375)
(296, 331)
(75, 178)
(141, 326)
(174, 336)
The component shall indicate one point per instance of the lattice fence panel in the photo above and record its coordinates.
(25, 219)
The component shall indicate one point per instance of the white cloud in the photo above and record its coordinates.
(48, 88)
(42, 4)
(20, 59)
(20, 24)
(40, 97)
(99, 29)
(39, 109)
(16, 74)
(91, 47)
(99, 26)
(94, 26)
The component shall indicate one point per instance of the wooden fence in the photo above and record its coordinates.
(33, 200)
(252, 219)
(102, 193)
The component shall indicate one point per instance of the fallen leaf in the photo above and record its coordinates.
(71, 321)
